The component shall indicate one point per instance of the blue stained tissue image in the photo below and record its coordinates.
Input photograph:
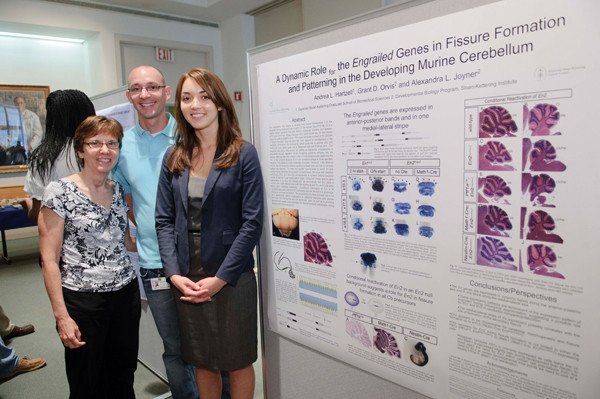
(378, 207)
(426, 211)
(427, 188)
(377, 185)
(357, 224)
(368, 259)
(401, 229)
(351, 298)
(356, 186)
(403, 208)
(379, 227)
(426, 231)
(400, 186)
(357, 205)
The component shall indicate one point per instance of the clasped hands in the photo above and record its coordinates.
(199, 292)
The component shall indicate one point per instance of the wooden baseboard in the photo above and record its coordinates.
(13, 192)
(25, 232)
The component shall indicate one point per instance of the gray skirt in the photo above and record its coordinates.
(220, 334)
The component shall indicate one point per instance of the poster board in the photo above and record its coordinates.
(423, 169)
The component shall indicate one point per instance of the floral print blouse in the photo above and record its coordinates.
(93, 256)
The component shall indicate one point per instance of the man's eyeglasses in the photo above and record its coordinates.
(97, 144)
(137, 90)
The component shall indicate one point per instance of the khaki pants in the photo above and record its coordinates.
(6, 326)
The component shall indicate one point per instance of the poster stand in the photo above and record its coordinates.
(340, 322)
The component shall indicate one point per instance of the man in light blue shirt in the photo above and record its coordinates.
(140, 160)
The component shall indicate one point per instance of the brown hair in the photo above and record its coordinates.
(229, 137)
(93, 125)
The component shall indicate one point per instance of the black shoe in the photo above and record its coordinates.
(20, 331)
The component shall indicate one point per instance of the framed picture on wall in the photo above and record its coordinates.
(22, 124)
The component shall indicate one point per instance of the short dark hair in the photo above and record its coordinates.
(93, 125)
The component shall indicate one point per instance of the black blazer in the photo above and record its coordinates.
(232, 218)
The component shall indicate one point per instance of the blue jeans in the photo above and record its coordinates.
(181, 376)
(8, 360)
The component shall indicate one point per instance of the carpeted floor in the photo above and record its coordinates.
(24, 299)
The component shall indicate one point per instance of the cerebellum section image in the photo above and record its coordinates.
(378, 184)
(402, 229)
(316, 249)
(542, 156)
(494, 155)
(357, 330)
(520, 185)
(357, 224)
(368, 260)
(385, 342)
(426, 188)
(379, 226)
(400, 186)
(496, 121)
(541, 260)
(426, 231)
(493, 220)
(542, 119)
(493, 189)
(494, 253)
(402, 208)
(536, 189)
(540, 227)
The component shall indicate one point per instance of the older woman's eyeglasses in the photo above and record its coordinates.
(97, 144)
(137, 90)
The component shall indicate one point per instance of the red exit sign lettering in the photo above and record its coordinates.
(164, 54)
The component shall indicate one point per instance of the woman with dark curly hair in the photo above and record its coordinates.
(55, 157)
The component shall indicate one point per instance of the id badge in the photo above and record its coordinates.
(159, 283)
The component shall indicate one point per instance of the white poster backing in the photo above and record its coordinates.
(431, 201)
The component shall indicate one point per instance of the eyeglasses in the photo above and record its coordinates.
(97, 144)
(137, 90)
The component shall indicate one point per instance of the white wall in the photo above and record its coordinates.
(92, 67)
(316, 13)
(238, 37)
(23, 59)
(99, 69)
(276, 23)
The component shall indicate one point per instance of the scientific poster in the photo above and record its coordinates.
(432, 201)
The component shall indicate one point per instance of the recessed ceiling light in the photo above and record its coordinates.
(42, 37)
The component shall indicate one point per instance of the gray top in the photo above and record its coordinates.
(195, 193)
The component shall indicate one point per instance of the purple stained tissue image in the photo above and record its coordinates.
(542, 119)
(493, 188)
(316, 250)
(357, 330)
(525, 152)
(385, 342)
(541, 260)
(494, 155)
(542, 157)
(496, 121)
(536, 187)
(492, 252)
(540, 226)
(493, 220)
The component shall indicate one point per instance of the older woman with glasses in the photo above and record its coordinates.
(90, 280)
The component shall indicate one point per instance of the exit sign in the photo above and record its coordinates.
(164, 54)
